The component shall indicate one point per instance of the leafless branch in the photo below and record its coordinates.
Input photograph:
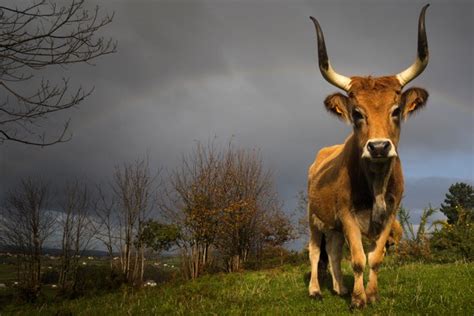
(35, 37)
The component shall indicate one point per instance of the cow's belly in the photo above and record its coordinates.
(323, 224)
(363, 219)
(367, 229)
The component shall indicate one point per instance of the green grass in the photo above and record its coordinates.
(7, 273)
(424, 289)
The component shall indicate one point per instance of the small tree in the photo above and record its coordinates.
(158, 236)
(223, 200)
(135, 190)
(106, 223)
(455, 241)
(25, 224)
(78, 230)
(278, 231)
(459, 197)
(192, 204)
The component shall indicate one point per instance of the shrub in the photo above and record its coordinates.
(416, 245)
(455, 241)
(50, 277)
(160, 274)
(448, 242)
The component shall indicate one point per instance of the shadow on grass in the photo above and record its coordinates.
(325, 282)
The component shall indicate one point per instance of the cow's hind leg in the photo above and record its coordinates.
(334, 245)
(314, 252)
(376, 255)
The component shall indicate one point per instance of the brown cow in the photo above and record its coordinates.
(355, 188)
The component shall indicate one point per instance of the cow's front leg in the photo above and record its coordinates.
(354, 239)
(376, 255)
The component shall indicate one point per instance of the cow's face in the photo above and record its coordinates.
(376, 107)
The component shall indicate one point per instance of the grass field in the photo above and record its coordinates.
(424, 289)
(7, 273)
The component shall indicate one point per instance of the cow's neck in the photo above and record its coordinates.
(377, 177)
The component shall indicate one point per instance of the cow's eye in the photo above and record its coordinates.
(396, 113)
(357, 116)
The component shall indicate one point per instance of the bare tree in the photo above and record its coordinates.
(106, 222)
(34, 37)
(135, 190)
(77, 232)
(25, 224)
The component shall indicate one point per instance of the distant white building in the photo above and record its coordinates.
(150, 283)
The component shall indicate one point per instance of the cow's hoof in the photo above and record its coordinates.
(316, 296)
(342, 292)
(357, 303)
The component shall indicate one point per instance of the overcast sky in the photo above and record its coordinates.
(188, 71)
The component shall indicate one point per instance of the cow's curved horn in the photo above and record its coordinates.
(423, 54)
(327, 71)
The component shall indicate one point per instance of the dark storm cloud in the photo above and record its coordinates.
(421, 193)
(164, 42)
(187, 71)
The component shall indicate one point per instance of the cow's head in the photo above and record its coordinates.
(376, 106)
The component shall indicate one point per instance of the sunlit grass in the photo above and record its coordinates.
(425, 289)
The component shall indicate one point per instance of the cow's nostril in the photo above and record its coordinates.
(371, 146)
(386, 145)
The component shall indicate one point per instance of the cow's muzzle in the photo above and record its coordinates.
(379, 149)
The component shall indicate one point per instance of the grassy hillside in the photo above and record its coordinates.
(411, 289)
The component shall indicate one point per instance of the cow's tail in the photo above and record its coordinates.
(323, 258)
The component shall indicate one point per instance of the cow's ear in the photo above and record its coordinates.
(413, 99)
(337, 104)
